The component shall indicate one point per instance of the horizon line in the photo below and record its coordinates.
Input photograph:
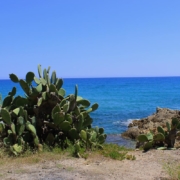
(106, 77)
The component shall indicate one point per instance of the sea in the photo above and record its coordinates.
(120, 100)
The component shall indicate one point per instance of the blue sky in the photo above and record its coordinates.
(96, 38)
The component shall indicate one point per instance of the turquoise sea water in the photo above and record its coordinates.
(120, 99)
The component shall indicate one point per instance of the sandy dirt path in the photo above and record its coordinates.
(147, 166)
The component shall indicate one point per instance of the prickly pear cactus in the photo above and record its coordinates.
(45, 115)
(163, 139)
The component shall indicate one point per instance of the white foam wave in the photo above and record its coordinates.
(125, 123)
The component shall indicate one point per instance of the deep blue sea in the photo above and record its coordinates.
(120, 99)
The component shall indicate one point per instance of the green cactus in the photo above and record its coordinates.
(39, 88)
(13, 128)
(77, 111)
(44, 95)
(24, 85)
(73, 134)
(146, 140)
(96, 129)
(20, 129)
(171, 133)
(53, 77)
(17, 149)
(46, 115)
(93, 108)
(87, 121)
(2, 128)
(31, 128)
(68, 118)
(16, 111)
(36, 141)
(65, 126)
(168, 126)
(58, 118)
(159, 137)
(6, 116)
(45, 75)
(13, 92)
(161, 130)
(61, 92)
(66, 107)
(39, 71)
(161, 148)
(175, 123)
(7, 101)
(93, 136)
(76, 92)
(39, 102)
(77, 149)
(50, 139)
(21, 112)
(149, 136)
(14, 78)
(63, 102)
(59, 84)
(48, 69)
(20, 120)
(101, 130)
(148, 145)
(21, 101)
(37, 81)
(43, 81)
(83, 135)
(163, 138)
(55, 110)
(101, 139)
(52, 88)
(79, 124)
(83, 102)
(29, 77)
(9, 140)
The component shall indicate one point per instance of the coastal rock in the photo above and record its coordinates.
(150, 123)
(131, 133)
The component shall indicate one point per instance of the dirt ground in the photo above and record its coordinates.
(147, 166)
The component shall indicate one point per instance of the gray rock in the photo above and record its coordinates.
(131, 133)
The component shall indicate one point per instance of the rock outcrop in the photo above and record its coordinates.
(150, 123)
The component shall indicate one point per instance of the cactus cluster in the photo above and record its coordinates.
(46, 116)
(163, 138)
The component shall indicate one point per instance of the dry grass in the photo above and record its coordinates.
(110, 151)
(173, 169)
(30, 157)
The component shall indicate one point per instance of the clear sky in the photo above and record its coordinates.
(90, 38)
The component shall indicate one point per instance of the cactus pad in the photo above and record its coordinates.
(142, 138)
(55, 110)
(65, 126)
(83, 135)
(24, 86)
(29, 77)
(148, 145)
(73, 133)
(159, 137)
(58, 118)
(6, 116)
(14, 78)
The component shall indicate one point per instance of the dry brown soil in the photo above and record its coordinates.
(147, 166)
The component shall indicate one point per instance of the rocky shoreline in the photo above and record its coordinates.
(150, 123)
